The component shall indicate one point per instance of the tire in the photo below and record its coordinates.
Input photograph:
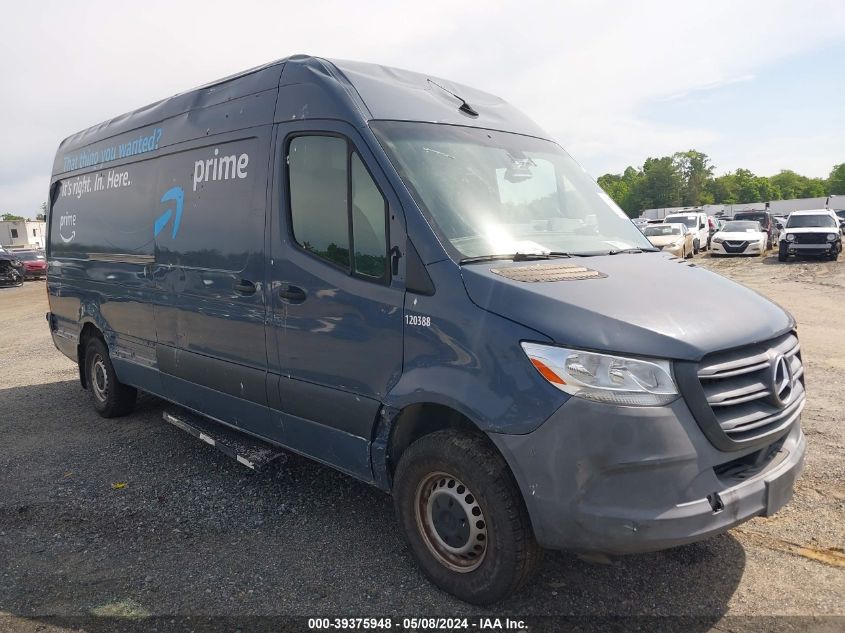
(459, 478)
(695, 247)
(16, 279)
(783, 254)
(111, 398)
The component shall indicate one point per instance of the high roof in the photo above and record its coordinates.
(294, 88)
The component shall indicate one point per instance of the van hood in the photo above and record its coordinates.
(617, 310)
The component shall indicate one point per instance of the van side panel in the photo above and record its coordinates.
(209, 271)
(101, 258)
(152, 233)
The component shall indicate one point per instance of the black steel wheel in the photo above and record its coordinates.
(463, 517)
(111, 398)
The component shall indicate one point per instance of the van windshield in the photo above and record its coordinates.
(497, 193)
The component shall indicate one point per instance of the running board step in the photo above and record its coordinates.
(243, 448)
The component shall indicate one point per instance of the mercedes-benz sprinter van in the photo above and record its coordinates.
(408, 280)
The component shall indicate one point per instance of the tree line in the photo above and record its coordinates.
(14, 217)
(686, 179)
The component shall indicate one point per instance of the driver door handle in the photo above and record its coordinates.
(244, 287)
(294, 294)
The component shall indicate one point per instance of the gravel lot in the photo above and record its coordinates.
(193, 533)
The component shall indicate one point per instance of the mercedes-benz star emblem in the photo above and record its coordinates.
(781, 381)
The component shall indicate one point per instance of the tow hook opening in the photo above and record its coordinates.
(715, 502)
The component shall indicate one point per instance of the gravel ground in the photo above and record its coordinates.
(192, 533)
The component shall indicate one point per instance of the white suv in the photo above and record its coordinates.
(696, 222)
(815, 232)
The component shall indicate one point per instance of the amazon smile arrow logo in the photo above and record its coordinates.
(175, 194)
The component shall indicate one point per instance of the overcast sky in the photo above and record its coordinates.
(753, 84)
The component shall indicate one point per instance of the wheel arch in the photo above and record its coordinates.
(89, 330)
(397, 429)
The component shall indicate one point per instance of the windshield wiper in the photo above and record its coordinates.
(516, 257)
(632, 250)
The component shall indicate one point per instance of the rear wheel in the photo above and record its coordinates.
(111, 398)
(464, 518)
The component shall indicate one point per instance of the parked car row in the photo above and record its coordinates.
(814, 232)
(18, 266)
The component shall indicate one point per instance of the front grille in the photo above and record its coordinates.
(734, 247)
(749, 394)
(810, 238)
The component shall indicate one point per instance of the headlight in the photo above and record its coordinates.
(831, 237)
(604, 378)
(790, 237)
(718, 240)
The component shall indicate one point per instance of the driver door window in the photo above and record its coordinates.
(337, 211)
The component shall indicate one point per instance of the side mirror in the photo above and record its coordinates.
(779, 226)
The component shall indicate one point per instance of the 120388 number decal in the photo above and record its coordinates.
(418, 320)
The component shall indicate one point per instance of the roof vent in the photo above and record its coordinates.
(548, 272)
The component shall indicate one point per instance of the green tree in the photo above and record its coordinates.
(788, 183)
(661, 183)
(687, 178)
(615, 187)
(624, 188)
(814, 188)
(792, 185)
(696, 170)
(12, 217)
(724, 189)
(836, 180)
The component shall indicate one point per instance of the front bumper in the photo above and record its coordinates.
(621, 480)
(811, 249)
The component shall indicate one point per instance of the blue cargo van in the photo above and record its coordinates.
(406, 279)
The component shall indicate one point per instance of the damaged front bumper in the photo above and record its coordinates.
(620, 480)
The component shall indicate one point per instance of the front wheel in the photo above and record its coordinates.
(111, 398)
(16, 278)
(783, 254)
(464, 518)
(695, 247)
